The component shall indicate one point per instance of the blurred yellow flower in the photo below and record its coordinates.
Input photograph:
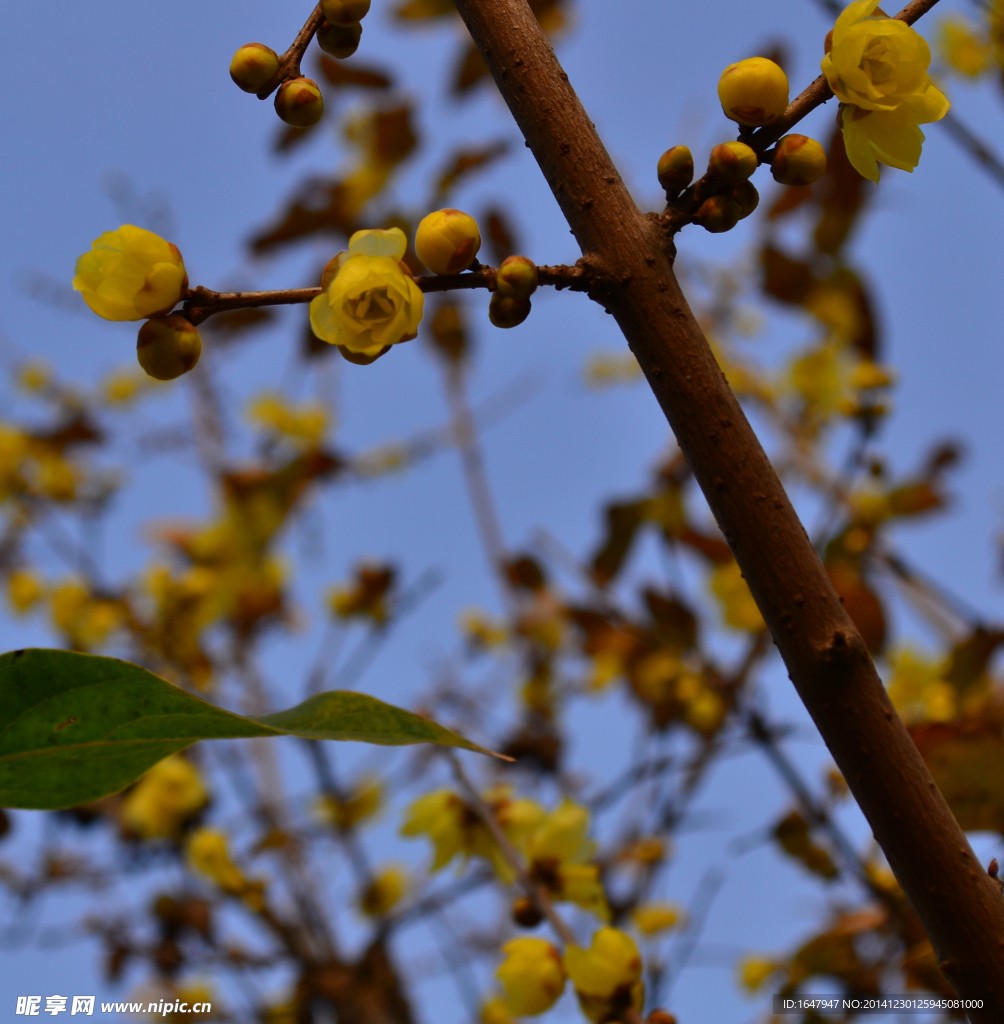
(531, 975)
(85, 620)
(122, 387)
(385, 892)
(739, 610)
(370, 302)
(164, 798)
(962, 47)
(208, 854)
(877, 67)
(24, 590)
(606, 974)
(482, 631)
(494, 1011)
(362, 803)
(34, 376)
(918, 689)
(130, 274)
(754, 971)
(306, 423)
(654, 918)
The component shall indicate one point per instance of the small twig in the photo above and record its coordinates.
(289, 62)
(202, 303)
(536, 892)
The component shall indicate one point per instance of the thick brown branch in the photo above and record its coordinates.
(289, 62)
(682, 210)
(202, 303)
(957, 902)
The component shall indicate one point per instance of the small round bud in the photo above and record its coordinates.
(299, 102)
(745, 197)
(661, 1017)
(447, 241)
(717, 214)
(517, 278)
(732, 161)
(340, 41)
(798, 160)
(505, 313)
(526, 913)
(253, 66)
(676, 169)
(168, 346)
(344, 12)
(753, 92)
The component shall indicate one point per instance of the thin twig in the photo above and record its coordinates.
(289, 62)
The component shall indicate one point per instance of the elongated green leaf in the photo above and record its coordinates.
(76, 727)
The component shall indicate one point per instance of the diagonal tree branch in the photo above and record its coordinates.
(826, 659)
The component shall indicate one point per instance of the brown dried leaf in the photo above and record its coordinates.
(424, 10)
(341, 75)
(447, 331)
(793, 836)
(502, 240)
(471, 69)
(464, 162)
(860, 602)
(623, 521)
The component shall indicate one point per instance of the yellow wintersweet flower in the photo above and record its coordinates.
(918, 689)
(85, 620)
(34, 376)
(754, 971)
(739, 610)
(482, 632)
(962, 47)
(130, 274)
(164, 798)
(877, 67)
(653, 918)
(532, 976)
(122, 387)
(24, 590)
(607, 976)
(306, 423)
(385, 892)
(370, 301)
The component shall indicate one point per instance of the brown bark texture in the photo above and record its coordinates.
(630, 258)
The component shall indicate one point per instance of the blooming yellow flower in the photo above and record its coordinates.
(877, 67)
(168, 794)
(962, 48)
(370, 301)
(607, 976)
(532, 976)
(130, 274)
(653, 918)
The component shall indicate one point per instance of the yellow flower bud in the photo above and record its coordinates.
(717, 214)
(532, 976)
(253, 66)
(24, 590)
(447, 241)
(746, 197)
(344, 12)
(505, 313)
(299, 102)
(653, 918)
(754, 91)
(494, 1012)
(732, 161)
(340, 41)
(130, 274)
(168, 346)
(370, 302)
(385, 892)
(676, 169)
(517, 278)
(607, 976)
(798, 160)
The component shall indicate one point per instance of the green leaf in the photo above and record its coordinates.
(76, 727)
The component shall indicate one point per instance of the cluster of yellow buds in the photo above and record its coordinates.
(369, 300)
(134, 274)
(256, 67)
(754, 93)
